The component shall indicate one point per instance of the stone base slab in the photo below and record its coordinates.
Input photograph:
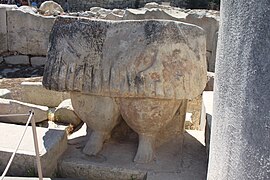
(183, 158)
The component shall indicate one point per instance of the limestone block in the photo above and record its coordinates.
(28, 33)
(159, 59)
(8, 106)
(52, 143)
(49, 8)
(5, 93)
(18, 59)
(64, 113)
(210, 23)
(208, 20)
(38, 61)
(34, 92)
(3, 27)
(210, 82)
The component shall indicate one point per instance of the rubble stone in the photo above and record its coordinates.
(64, 113)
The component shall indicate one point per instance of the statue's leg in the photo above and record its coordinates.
(147, 117)
(101, 114)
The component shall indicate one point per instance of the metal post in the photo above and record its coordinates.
(36, 147)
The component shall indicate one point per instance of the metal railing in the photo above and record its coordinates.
(33, 123)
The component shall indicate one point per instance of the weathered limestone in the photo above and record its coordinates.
(181, 158)
(100, 114)
(35, 93)
(144, 75)
(210, 23)
(64, 113)
(28, 33)
(241, 123)
(38, 61)
(19, 59)
(208, 20)
(8, 106)
(3, 27)
(48, 8)
(5, 93)
(52, 144)
(160, 59)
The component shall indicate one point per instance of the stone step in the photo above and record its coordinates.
(52, 143)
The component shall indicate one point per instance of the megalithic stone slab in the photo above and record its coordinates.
(9, 106)
(51, 143)
(28, 33)
(151, 58)
(240, 133)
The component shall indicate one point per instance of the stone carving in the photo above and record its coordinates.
(141, 70)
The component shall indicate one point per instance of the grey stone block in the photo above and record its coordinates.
(19, 59)
(38, 61)
(52, 143)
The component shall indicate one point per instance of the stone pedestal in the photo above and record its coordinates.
(241, 123)
(182, 158)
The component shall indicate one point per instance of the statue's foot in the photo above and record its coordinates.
(95, 143)
(145, 152)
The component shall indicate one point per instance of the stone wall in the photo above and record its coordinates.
(24, 35)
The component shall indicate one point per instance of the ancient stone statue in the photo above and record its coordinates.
(141, 70)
